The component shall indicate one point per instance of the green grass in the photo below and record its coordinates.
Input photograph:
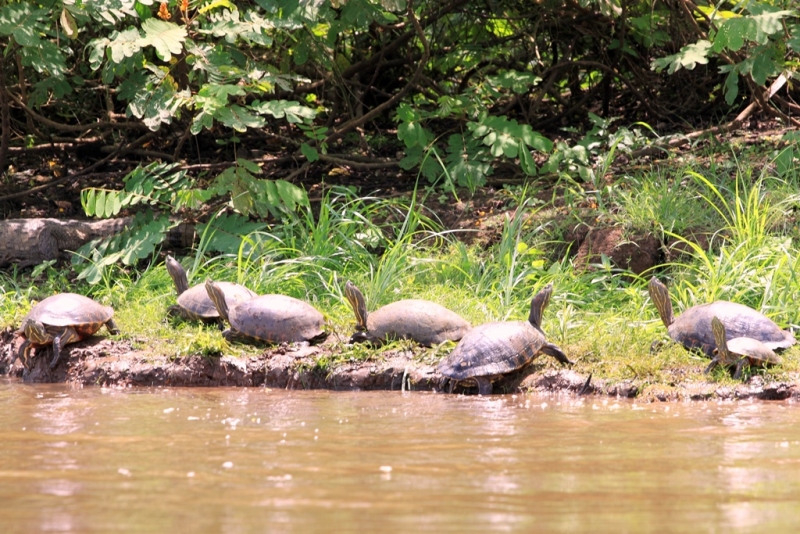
(392, 249)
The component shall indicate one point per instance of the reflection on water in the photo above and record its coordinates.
(241, 460)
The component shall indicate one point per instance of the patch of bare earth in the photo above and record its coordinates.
(104, 362)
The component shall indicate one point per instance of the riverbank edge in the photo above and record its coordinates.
(108, 363)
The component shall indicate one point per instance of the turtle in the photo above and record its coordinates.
(193, 302)
(692, 328)
(739, 351)
(423, 321)
(61, 319)
(491, 350)
(268, 318)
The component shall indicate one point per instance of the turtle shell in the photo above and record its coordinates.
(752, 349)
(423, 321)
(195, 300)
(277, 319)
(69, 309)
(692, 328)
(493, 349)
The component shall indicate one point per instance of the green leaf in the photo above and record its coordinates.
(526, 162)
(764, 65)
(226, 232)
(88, 197)
(112, 202)
(517, 81)
(732, 86)
(238, 118)
(413, 134)
(295, 112)
(166, 37)
(249, 165)
(407, 114)
(23, 22)
(214, 4)
(68, 24)
(688, 57)
(470, 174)
(100, 203)
(124, 44)
(309, 152)
(735, 31)
(142, 242)
(291, 195)
(45, 57)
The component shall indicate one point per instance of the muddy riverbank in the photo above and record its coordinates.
(109, 363)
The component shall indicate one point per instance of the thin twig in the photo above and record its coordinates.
(75, 127)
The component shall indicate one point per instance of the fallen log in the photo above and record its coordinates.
(26, 242)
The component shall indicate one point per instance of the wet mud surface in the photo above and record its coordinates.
(104, 362)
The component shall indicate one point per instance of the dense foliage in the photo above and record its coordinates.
(451, 89)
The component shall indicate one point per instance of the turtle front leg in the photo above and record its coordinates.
(484, 385)
(234, 336)
(68, 335)
(557, 353)
(22, 354)
(712, 365)
(739, 367)
(112, 327)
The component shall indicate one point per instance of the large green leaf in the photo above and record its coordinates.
(688, 57)
(166, 37)
(295, 112)
(124, 44)
(734, 32)
(238, 118)
(23, 22)
(45, 58)
(224, 232)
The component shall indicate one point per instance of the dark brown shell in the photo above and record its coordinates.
(692, 328)
(195, 300)
(493, 349)
(423, 321)
(277, 319)
(69, 309)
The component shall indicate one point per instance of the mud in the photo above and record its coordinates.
(104, 362)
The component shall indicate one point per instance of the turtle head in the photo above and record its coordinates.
(35, 332)
(358, 303)
(178, 274)
(721, 339)
(217, 296)
(359, 337)
(660, 297)
(538, 305)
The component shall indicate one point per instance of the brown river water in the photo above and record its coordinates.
(256, 460)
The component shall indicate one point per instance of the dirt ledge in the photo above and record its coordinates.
(104, 362)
